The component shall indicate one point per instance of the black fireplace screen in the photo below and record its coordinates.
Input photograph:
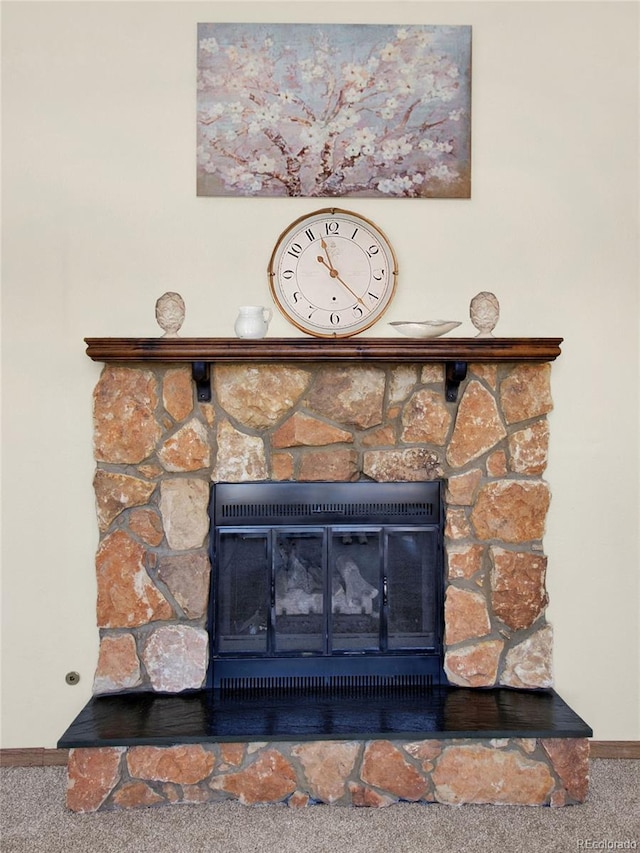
(326, 584)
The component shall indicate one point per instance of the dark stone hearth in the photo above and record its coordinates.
(437, 713)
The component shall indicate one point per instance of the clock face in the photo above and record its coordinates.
(332, 273)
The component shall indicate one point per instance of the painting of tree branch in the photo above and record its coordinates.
(334, 110)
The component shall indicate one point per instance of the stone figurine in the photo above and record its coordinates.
(170, 313)
(484, 311)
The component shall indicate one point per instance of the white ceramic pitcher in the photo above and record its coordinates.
(252, 321)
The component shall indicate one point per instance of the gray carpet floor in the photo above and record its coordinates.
(34, 818)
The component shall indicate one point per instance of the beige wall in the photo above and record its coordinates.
(100, 217)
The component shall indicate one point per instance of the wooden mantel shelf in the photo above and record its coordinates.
(211, 350)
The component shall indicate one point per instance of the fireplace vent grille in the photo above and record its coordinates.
(326, 685)
(370, 511)
(312, 504)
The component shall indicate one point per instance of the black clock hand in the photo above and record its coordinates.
(326, 251)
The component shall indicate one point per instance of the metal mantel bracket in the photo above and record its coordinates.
(456, 373)
(200, 374)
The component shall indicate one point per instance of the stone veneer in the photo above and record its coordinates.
(158, 450)
(377, 773)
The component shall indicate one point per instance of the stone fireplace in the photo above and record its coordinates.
(470, 412)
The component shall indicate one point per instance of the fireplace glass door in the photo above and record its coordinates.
(329, 598)
(371, 573)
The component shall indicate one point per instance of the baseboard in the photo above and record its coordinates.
(33, 757)
(615, 749)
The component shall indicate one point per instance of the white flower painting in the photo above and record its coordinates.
(309, 110)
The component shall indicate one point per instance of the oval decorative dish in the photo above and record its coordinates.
(425, 329)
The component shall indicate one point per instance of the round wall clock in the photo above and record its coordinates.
(332, 273)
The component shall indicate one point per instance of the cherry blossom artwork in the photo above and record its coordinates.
(309, 110)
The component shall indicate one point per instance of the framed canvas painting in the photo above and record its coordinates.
(334, 110)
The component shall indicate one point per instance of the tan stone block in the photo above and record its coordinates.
(298, 800)
(475, 665)
(268, 779)
(478, 426)
(570, 759)
(511, 510)
(125, 427)
(186, 450)
(232, 753)
(126, 595)
(187, 578)
(478, 774)
(466, 616)
(432, 373)
(518, 594)
(488, 372)
(384, 767)
(176, 658)
(415, 464)
(172, 792)
(117, 492)
(196, 794)
(301, 430)
(426, 418)
(401, 381)
(182, 765)
(497, 464)
(177, 392)
(461, 488)
(425, 751)
(526, 393)
(208, 413)
(334, 465)
(456, 524)
(529, 449)
(529, 664)
(146, 524)
(91, 776)
(184, 508)
(118, 665)
(258, 396)
(349, 395)
(558, 799)
(136, 794)
(240, 457)
(365, 797)
(327, 766)
(151, 470)
(464, 560)
(383, 436)
(282, 466)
